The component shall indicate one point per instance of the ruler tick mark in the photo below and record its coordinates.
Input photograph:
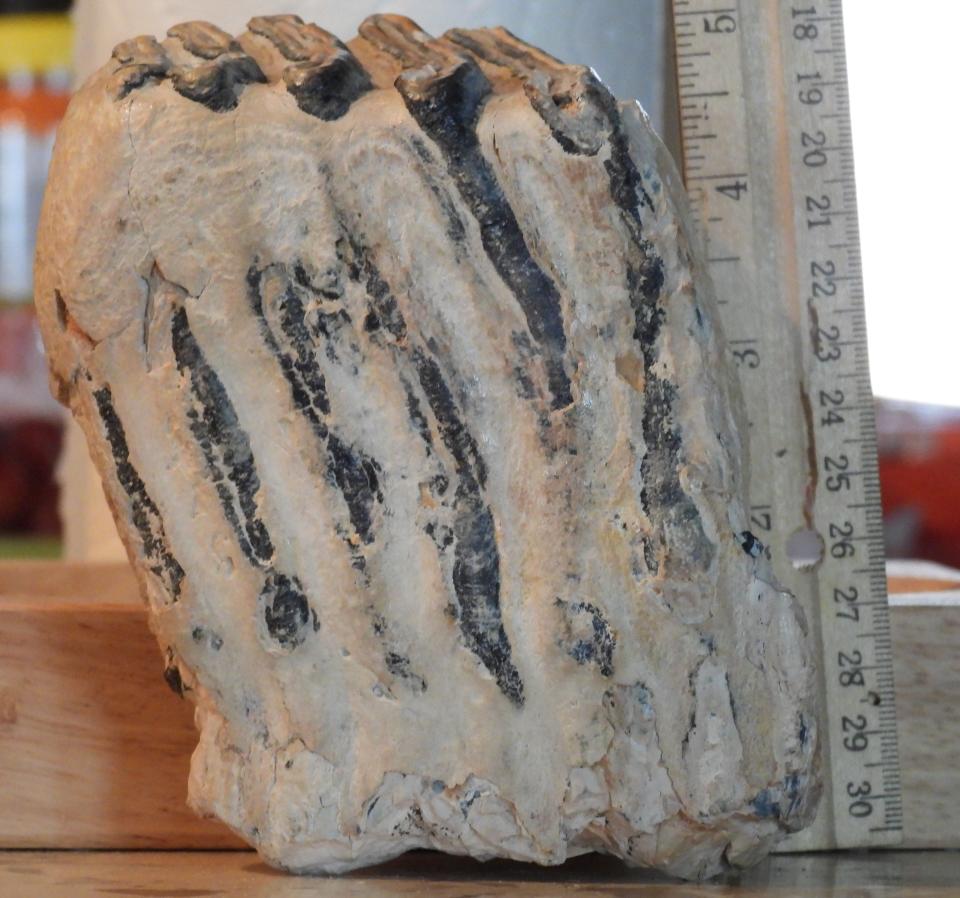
(763, 299)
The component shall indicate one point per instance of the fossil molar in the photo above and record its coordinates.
(408, 396)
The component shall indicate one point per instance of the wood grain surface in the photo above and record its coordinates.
(212, 874)
(926, 657)
(95, 749)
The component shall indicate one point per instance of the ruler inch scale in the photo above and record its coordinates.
(768, 165)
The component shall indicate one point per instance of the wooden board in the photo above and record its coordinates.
(213, 874)
(95, 749)
(926, 655)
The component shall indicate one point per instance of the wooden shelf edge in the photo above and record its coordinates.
(95, 750)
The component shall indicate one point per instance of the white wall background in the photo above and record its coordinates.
(902, 63)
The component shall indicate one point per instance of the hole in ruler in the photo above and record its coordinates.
(805, 548)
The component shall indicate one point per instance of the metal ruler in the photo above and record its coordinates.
(768, 164)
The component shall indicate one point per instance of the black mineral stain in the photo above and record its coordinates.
(285, 610)
(766, 804)
(447, 106)
(566, 106)
(419, 420)
(384, 310)
(441, 535)
(467, 801)
(644, 283)
(454, 433)
(143, 510)
(476, 569)
(225, 445)
(133, 77)
(200, 634)
(733, 703)
(217, 84)
(230, 462)
(582, 115)
(327, 89)
(750, 544)
(140, 59)
(626, 185)
(598, 646)
(456, 229)
(476, 566)
(305, 379)
(399, 666)
(171, 674)
(526, 389)
(793, 791)
(782, 801)
(675, 516)
(662, 497)
(476, 581)
(355, 474)
(325, 78)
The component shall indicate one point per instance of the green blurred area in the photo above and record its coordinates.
(35, 547)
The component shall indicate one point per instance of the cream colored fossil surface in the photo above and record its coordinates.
(409, 399)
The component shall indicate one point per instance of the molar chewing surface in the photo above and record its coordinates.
(407, 393)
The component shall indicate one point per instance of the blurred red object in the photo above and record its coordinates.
(31, 426)
(920, 480)
(28, 493)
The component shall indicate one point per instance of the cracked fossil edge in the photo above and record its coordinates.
(445, 85)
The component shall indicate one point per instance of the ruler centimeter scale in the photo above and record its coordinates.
(768, 165)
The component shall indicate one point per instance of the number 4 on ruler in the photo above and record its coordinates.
(768, 163)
